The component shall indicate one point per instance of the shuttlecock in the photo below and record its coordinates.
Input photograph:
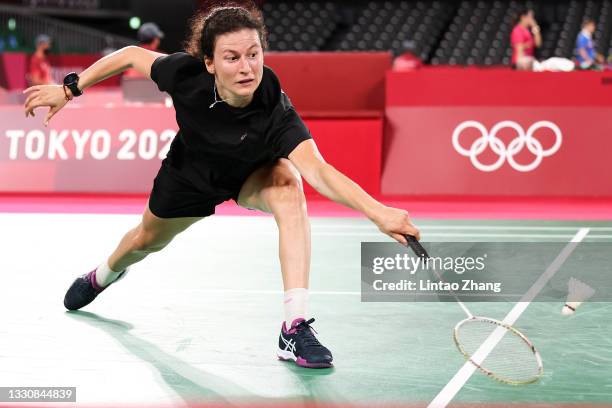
(578, 292)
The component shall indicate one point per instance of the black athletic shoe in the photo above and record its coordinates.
(84, 290)
(299, 344)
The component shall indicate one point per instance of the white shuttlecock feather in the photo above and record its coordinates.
(578, 292)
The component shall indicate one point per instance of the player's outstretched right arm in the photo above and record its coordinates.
(56, 96)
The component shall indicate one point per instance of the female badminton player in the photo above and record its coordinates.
(239, 138)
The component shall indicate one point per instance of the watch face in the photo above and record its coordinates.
(71, 78)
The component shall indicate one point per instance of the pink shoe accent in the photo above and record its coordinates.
(303, 363)
(293, 324)
(94, 283)
(297, 321)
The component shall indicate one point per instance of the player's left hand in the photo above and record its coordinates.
(52, 96)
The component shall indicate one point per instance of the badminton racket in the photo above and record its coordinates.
(497, 349)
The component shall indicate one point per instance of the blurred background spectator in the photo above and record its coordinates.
(109, 48)
(525, 38)
(149, 37)
(586, 56)
(408, 60)
(39, 72)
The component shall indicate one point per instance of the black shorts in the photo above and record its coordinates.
(173, 196)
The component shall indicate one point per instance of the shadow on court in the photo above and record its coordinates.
(190, 383)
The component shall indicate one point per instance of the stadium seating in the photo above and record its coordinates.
(439, 32)
(454, 32)
(300, 25)
(67, 37)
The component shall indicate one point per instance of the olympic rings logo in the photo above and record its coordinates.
(523, 139)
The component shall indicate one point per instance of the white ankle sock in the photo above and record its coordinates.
(296, 305)
(105, 275)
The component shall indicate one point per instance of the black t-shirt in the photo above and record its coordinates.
(217, 146)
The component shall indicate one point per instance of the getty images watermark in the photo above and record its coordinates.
(410, 265)
(478, 271)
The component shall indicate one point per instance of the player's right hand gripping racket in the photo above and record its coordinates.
(495, 348)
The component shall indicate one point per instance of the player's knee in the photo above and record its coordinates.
(287, 199)
(147, 242)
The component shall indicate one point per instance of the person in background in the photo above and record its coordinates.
(110, 46)
(149, 38)
(585, 54)
(408, 59)
(39, 72)
(525, 38)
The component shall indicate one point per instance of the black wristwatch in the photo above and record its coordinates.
(71, 80)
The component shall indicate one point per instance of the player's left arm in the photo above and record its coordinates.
(328, 181)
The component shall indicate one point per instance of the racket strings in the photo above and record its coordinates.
(511, 360)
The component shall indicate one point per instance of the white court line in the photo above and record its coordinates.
(423, 226)
(451, 389)
(425, 234)
(266, 292)
(312, 292)
(475, 227)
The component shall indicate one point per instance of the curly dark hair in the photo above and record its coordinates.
(212, 22)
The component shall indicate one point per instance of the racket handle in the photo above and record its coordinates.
(416, 246)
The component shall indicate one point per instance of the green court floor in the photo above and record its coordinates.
(199, 321)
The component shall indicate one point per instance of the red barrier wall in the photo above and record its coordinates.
(498, 87)
(498, 133)
(340, 95)
(16, 66)
(119, 149)
(335, 82)
(423, 141)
